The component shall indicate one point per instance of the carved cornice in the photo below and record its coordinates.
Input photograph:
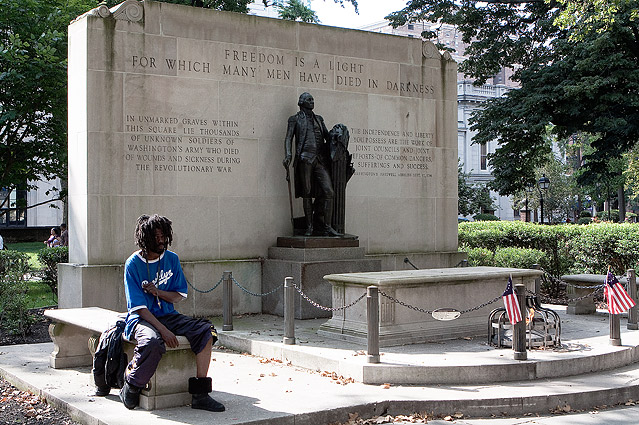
(129, 10)
(430, 51)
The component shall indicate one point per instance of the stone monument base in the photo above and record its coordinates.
(587, 284)
(307, 263)
(430, 289)
(81, 285)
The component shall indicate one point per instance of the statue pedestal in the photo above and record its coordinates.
(307, 260)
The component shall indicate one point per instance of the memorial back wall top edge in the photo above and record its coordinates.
(180, 21)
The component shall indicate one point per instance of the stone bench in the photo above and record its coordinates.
(429, 289)
(75, 333)
(589, 281)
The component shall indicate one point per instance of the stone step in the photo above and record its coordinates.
(585, 349)
(259, 391)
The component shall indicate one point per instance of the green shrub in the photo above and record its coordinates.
(552, 240)
(50, 257)
(15, 318)
(479, 257)
(600, 245)
(15, 261)
(584, 220)
(585, 213)
(604, 216)
(485, 217)
(520, 258)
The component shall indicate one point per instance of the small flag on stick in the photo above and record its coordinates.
(616, 296)
(511, 303)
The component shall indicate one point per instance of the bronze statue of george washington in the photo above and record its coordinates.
(309, 140)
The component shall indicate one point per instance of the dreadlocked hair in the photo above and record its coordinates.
(145, 231)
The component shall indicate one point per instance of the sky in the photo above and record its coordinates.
(370, 11)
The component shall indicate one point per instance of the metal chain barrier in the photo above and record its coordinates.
(421, 310)
(562, 282)
(208, 290)
(565, 300)
(321, 307)
(480, 306)
(277, 288)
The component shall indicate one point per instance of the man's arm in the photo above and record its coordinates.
(169, 296)
(288, 141)
(169, 337)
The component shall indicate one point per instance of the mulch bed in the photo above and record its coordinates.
(39, 332)
(23, 407)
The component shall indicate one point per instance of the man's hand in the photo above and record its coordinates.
(169, 338)
(287, 161)
(150, 288)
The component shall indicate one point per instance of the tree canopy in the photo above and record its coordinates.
(294, 10)
(33, 103)
(580, 74)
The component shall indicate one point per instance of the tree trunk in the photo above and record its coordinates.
(622, 204)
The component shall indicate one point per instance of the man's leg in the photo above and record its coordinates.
(198, 332)
(323, 180)
(203, 360)
(305, 174)
(146, 356)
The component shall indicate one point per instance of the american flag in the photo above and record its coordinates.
(617, 298)
(511, 303)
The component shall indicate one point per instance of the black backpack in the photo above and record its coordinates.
(110, 360)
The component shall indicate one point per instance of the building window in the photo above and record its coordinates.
(482, 156)
(14, 212)
(411, 26)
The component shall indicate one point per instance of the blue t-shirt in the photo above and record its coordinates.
(165, 272)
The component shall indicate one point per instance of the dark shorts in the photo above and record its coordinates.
(150, 346)
(196, 331)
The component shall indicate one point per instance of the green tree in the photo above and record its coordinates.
(472, 198)
(294, 10)
(582, 77)
(33, 102)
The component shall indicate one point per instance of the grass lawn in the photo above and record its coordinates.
(31, 249)
(39, 293)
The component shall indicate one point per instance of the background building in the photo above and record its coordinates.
(469, 98)
(39, 213)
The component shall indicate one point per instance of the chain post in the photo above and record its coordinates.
(537, 279)
(519, 329)
(227, 301)
(372, 319)
(464, 263)
(289, 311)
(615, 330)
(632, 291)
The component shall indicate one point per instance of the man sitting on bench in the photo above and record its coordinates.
(153, 282)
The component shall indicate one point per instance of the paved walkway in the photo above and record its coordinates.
(274, 388)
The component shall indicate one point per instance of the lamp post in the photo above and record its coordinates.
(543, 184)
(529, 190)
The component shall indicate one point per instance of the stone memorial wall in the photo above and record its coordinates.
(182, 111)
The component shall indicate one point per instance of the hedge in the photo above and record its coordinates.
(566, 248)
(50, 257)
(15, 318)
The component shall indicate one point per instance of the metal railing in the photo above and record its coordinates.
(373, 295)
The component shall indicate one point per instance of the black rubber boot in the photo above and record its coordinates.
(200, 389)
(130, 395)
(102, 391)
